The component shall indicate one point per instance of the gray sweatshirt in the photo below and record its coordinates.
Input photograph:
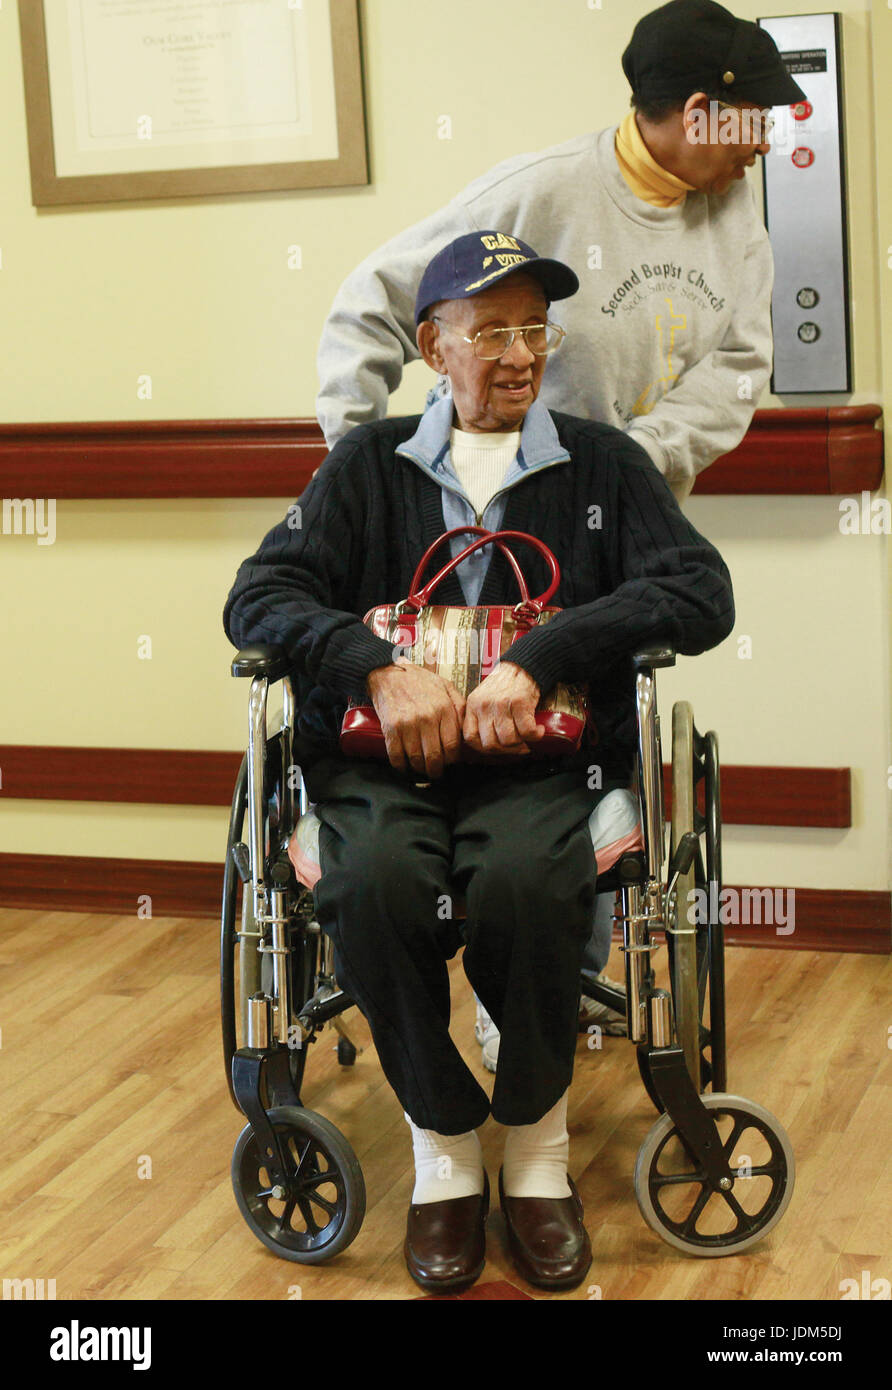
(669, 337)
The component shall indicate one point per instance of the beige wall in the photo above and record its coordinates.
(882, 66)
(198, 293)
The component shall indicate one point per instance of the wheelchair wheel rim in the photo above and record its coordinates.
(653, 1186)
(312, 1213)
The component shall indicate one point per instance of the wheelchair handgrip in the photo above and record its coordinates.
(655, 657)
(258, 660)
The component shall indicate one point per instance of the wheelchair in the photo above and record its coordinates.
(296, 1179)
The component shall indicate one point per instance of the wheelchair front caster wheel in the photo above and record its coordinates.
(346, 1052)
(678, 1201)
(323, 1206)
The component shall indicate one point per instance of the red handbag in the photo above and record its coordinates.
(463, 645)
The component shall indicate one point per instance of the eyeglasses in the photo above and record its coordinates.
(492, 343)
(760, 127)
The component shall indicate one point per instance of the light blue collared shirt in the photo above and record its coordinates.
(540, 447)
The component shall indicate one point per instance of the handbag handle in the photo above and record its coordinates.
(527, 611)
(424, 595)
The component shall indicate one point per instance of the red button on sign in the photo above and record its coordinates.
(802, 110)
(802, 157)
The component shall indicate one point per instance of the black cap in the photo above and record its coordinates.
(478, 260)
(697, 46)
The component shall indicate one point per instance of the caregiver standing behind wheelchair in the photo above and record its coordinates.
(401, 836)
(669, 338)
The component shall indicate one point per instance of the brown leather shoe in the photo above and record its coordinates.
(445, 1245)
(548, 1242)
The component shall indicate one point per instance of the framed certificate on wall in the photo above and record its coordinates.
(135, 99)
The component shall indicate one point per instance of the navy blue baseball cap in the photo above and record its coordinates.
(474, 262)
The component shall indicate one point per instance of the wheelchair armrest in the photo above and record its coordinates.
(653, 657)
(271, 662)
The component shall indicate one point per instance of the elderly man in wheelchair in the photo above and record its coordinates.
(455, 829)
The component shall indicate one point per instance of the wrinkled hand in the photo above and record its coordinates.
(424, 718)
(500, 715)
(421, 716)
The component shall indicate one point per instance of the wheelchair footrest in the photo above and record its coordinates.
(593, 988)
(318, 1011)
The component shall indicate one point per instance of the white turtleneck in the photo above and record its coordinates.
(481, 462)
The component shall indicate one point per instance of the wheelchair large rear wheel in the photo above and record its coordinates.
(320, 1212)
(232, 890)
(237, 914)
(696, 960)
(683, 946)
(677, 1200)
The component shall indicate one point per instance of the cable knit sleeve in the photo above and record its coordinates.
(298, 590)
(673, 586)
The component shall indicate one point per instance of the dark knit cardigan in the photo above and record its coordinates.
(633, 571)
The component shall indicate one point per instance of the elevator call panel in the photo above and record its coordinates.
(805, 212)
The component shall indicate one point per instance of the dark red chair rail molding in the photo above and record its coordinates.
(798, 796)
(801, 796)
(824, 450)
(826, 920)
(834, 449)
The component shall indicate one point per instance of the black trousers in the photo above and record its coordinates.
(515, 844)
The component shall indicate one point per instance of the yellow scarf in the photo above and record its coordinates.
(646, 178)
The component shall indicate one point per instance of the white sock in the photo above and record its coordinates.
(446, 1165)
(536, 1156)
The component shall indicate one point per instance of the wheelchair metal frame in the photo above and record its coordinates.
(265, 1073)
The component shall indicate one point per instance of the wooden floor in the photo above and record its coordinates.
(111, 1061)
